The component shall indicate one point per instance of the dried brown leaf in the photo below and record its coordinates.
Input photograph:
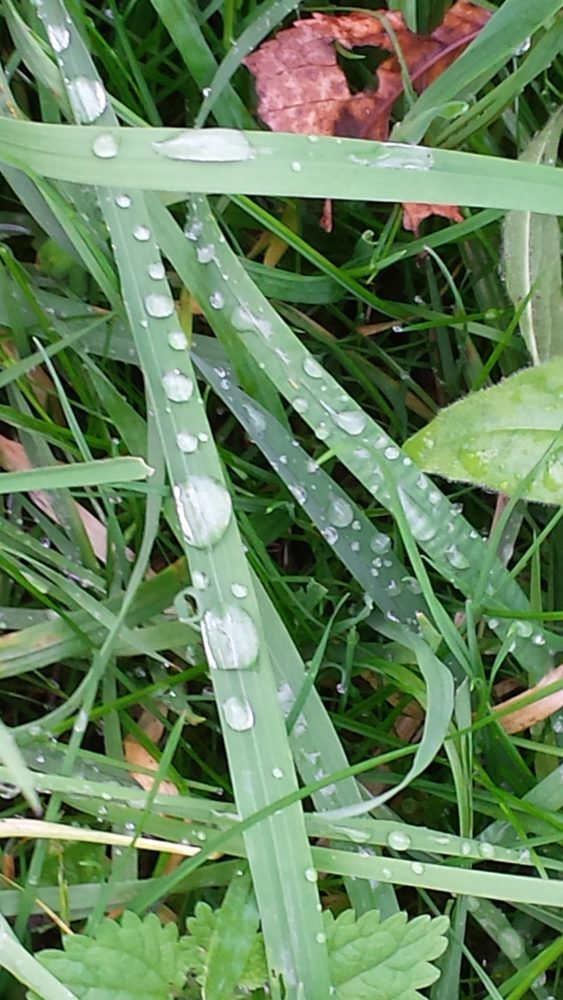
(522, 718)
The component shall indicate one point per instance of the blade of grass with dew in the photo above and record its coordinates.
(452, 545)
(100, 472)
(18, 772)
(252, 723)
(532, 260)
(228, 161)
(27, 970)
(511, 25)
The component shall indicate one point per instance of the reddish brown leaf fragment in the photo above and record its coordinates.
(414, 214)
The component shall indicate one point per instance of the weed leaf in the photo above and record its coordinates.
(370, 960)
(496, 437)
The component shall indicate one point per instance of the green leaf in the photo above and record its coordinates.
(135, 960)
(370, 960)
(203, 927)
(532, 256)
(497, 437)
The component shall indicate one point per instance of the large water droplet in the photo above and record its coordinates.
(230, 639)
(156, 271)
(206, 255)
(177, 386)
(238, 714)
(351, 421)
(256, 419)
(59, 37)
(142, 233)
(204, 509)
(216, 300)
(88, 99)
(398, 840)
(421, 525)
(312, 368)
(123, 201)
(206, 145)
(380, 544)
(188, 443)
(456, 558)
(105, 146)
(159, 306)
(340, 513)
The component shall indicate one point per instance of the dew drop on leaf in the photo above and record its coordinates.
(398, 840)
(187, 443)
(177, 386)
(216, 300)
(421, 525)
(206, 146)
(88, 99)
(59, 37)
(105, 146)
(351, 421)
(177, 340)
(123, 201)
(311, 875)
(156, 271)
(142, 233)
(205, 255)
(340, 513)
(312, 368)
(417, 868)
(159, 306)
(204, 509)
(230, 639)
(239, 590)
(456, 558)
(238, 714)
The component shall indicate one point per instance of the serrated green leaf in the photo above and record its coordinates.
(195, 949)
(135, 960)
(532, 258)
(370, 960)
(496, 437)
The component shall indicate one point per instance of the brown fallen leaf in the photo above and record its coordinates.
(301, 88)
(415, 213)
(137, 755)
(522, 718)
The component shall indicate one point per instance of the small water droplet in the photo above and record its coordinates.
(88, 99)
(230, 639)
(398, 840)
(199, 580)
(156, 271)
(277, 773)
(466, 848)
(177, 340)
(239, 590)
(59, 37)
(177, 386)
(159, 306)
(486, 850)
(311, 875)
(312, 368)
(330, 534)
(123, 201)
(300, 405)
(188, 443)
(320, 938)
(511, 943)
(391, 452)
(299, 492)
(380, 544)
(421, 525)
(204, 509)
(296, 167)
(216, 300)
(340, 513)
(105, 146)
(142, 233)
(238, 714)
(206, 255)
(456, 558)
(417, 868)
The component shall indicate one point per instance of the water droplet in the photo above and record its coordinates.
(398, 840)
(59, 37)
(299, 492)
(199, 580)
(216, 300)
(510, 943)
(380, 544)
(300, 405)
(456, 558)
(238, 714)
(421, 525)
(320, 938)
(207, 146)
(277, 773)
(123, 201)
(340, 512)
(311, 875)
(193, 230)
(206, 255)
(156, 271)
(230, 639)
(351, 421)
(256, 419)
(178, 340)
(296, 167)
(466, 848)
(330, 534)
(177, 386)
(312, 368)
(159, 306)
(142, 233)
(524, 46)
(204, 509)
(403, 156)
(538, 639)
(188, 443)
(239, 590)
(393, 588)
(392, 452)
(105, 145)
(486, 850)
(417, 868)
(88, 99)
